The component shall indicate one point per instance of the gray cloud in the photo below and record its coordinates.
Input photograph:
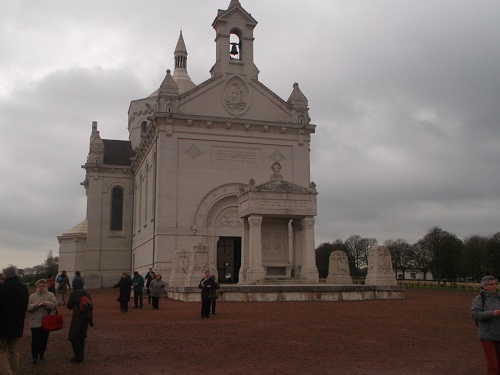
(404, 95)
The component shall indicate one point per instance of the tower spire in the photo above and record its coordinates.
(181, 76)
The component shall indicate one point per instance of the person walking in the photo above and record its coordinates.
(156, 289)
(150, 276)
(14, 298)
(138, 285)
(124, 284)
(205, 285)
(485, 311)
(62, 287)
(40, 304)
(80, 320)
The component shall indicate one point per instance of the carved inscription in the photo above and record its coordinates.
(235, 155)
(280, 205)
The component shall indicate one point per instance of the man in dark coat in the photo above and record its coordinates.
(13, 304)
(80, 320)
(205, 285)
(124, 285)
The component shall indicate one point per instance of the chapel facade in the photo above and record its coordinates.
(214, 176)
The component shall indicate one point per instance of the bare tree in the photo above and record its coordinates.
(421, 258)
(401, 254)
(357, 251)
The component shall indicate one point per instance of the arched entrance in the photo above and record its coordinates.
(228, 258)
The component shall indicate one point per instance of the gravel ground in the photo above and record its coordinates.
(428, 332)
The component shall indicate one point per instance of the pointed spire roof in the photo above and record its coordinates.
(234, 3)
(168, 86)
(181, 46)
(96, 148)
(181, 76)
(297, 99)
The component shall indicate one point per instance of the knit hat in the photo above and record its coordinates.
(77, 283)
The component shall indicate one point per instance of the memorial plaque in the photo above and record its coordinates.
(233, 155)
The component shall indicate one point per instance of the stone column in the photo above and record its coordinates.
(296, 248)
(244, 265)
(256, 271)
(309, 271)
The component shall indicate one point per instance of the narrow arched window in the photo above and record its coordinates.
(117, 208)
(144, 127)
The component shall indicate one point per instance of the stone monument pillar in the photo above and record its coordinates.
(179, 268)
(338, 268)
(198, 264)
(380, 267)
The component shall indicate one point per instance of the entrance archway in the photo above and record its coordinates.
(228, 252)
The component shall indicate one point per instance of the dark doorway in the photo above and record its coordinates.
(228, 251)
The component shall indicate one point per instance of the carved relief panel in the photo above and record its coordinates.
(275, 241)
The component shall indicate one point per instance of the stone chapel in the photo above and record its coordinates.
(214, 176)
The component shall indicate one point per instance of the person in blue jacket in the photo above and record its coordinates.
(138, 284)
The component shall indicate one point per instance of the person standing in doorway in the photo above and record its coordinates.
(62, 287)
(205, 285)
(138, 285)
(14, 298)
(229, 273)
(485, 311)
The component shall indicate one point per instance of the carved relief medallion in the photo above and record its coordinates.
(236, 96)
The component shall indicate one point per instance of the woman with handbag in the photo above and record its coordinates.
(40, 304)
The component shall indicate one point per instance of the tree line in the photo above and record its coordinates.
(442, 253)
(49, 267)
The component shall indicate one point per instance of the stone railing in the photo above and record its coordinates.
(436, 284)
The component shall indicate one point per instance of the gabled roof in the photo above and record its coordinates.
(117, 152)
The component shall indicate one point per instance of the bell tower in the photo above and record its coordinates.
(234, 42)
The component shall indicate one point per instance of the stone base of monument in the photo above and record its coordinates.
(290, 292)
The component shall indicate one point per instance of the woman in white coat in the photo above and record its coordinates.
(40, 303)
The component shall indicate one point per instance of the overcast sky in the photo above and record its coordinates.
(405, 96)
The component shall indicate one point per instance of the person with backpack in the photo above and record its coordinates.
(485, 311)
(80, 319)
